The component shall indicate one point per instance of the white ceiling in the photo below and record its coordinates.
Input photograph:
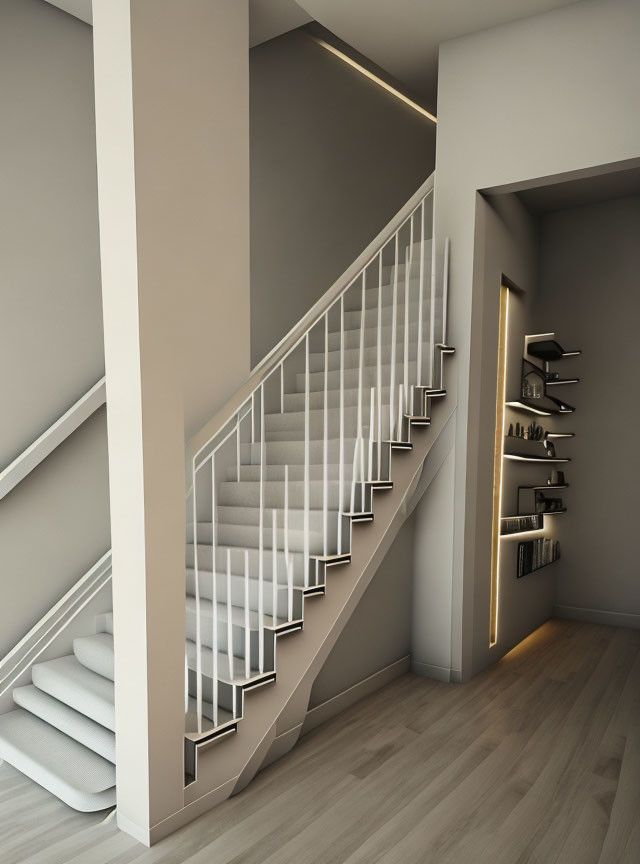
(402, 36)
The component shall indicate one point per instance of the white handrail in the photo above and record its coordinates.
(54, 435)
(42, 634)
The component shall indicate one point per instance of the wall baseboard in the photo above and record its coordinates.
(337, 704)
(598, 616)
(429, 670)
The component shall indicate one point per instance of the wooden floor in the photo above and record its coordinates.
(536, 760)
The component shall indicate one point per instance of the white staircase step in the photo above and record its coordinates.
(369, 376)
(296, 472)
(67, 769)
(352, 336)
(96, 653)
(205, 580)
(205, 561)
(228, 672)
(247, 536)
(246, 493)
(224, 718)
(351, 356)
(292, 452)
(88, 733)
(67, 680)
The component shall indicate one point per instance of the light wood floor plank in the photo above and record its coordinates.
(535, 761)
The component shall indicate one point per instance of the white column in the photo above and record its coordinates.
(171, 86)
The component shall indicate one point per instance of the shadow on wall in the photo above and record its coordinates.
(333, 157)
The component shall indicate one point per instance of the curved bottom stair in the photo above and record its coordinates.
(61, 733)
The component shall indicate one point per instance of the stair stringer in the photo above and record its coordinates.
(279, 709)
(288, 725)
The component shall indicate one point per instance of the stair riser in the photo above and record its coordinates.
(237, 593)
(246, 494)
(351, 357)
(237, 637)
(369, 377)
(251, 473)
(247, 536)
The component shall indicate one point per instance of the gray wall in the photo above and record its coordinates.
(55, 524)
(589, 281)
(379, 631)
(333, 157)
(550, 94)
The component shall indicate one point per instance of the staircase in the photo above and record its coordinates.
(280, 540)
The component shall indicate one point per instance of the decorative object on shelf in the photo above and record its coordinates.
(550, 448)
(510, 432)
(534, 387)
(533, 381)
(557, 478)
(548, 505)
(536, 554)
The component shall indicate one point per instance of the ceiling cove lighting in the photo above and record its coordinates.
(375, 79)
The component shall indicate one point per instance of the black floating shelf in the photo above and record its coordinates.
(515, 457)
(530, 409)
(553, 382)
(561, 434)
(549, 349)
(548, 486)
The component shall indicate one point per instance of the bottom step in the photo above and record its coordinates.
(76, 775)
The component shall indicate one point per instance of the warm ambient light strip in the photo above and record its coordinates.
(520, 406)
(498, 462)
(375, 79)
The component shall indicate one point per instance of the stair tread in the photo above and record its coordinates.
(67, 720)
(67, 680)
(53, 760)
(95, 652)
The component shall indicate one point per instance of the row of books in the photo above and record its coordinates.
(515, 524)
(535, 554)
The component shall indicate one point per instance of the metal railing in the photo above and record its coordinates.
(303, 445)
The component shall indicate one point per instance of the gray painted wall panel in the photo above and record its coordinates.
(55, 524)
(590, 295)
(333, 157)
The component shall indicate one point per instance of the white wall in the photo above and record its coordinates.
(333, 158)
(55, 524)
(172, 120)
(549, 94)
(589, 266)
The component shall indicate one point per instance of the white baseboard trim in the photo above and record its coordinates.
(326, 710)
(598, 616)
(428, 670)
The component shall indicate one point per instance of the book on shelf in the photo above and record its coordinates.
(515, 524)
(534, 554)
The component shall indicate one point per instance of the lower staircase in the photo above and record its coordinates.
(62, 733)
(285, 529)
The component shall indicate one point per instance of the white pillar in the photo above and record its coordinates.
(171, 85)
